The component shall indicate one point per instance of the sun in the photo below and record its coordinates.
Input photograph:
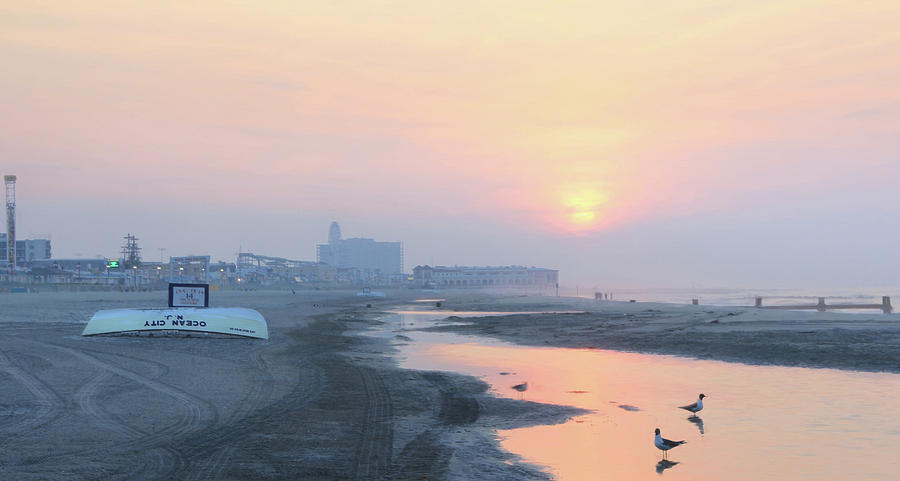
(583, 217)
(583, 206)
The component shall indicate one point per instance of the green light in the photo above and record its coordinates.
(112, 264)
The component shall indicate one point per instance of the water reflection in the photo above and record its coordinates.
(430, 317)
(852, 416)
(698, 421)
(664, 465)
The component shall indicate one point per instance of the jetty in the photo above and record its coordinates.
(885, 305)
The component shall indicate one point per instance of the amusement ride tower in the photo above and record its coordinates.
(11, 220)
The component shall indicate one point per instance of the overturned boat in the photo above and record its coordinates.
(237, 321)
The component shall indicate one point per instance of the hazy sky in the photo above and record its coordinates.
(669, 143)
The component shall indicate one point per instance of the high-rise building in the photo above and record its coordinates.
(371, 257)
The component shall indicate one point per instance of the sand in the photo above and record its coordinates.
(315, 401)
(319, 400)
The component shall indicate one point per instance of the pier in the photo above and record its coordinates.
(885, 305)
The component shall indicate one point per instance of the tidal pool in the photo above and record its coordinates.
(759, 422)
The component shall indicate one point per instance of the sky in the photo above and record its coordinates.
(627, 144)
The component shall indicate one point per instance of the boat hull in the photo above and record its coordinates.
(237, 321)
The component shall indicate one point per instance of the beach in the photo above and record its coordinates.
(321, 399)
(315, 401)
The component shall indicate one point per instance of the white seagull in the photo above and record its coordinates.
(664, 444)
(521, 388)
(696, 407)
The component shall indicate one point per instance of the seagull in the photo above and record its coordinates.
(664, 444)
(521, 388)
(696, 407)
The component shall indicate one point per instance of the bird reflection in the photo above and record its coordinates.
(664, 465)
(698, 421)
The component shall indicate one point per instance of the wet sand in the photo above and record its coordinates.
(863, 342)
(315, 401)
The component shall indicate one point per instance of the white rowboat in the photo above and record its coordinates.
(236, 321)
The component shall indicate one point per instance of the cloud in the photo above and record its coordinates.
(882, 111)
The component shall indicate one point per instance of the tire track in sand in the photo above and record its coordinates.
(215, 446)
(158, 459)
(374, 451)
(85, 397)
(198, 411)
(210, 467)
(194, 415)
(49, 403)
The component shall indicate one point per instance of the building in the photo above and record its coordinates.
(375, 261)
(80, 270)
(80, 266)
(485, 277)
(27, 250)
(188, 269)
(267, 270)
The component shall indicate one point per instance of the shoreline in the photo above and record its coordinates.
(857, 342)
